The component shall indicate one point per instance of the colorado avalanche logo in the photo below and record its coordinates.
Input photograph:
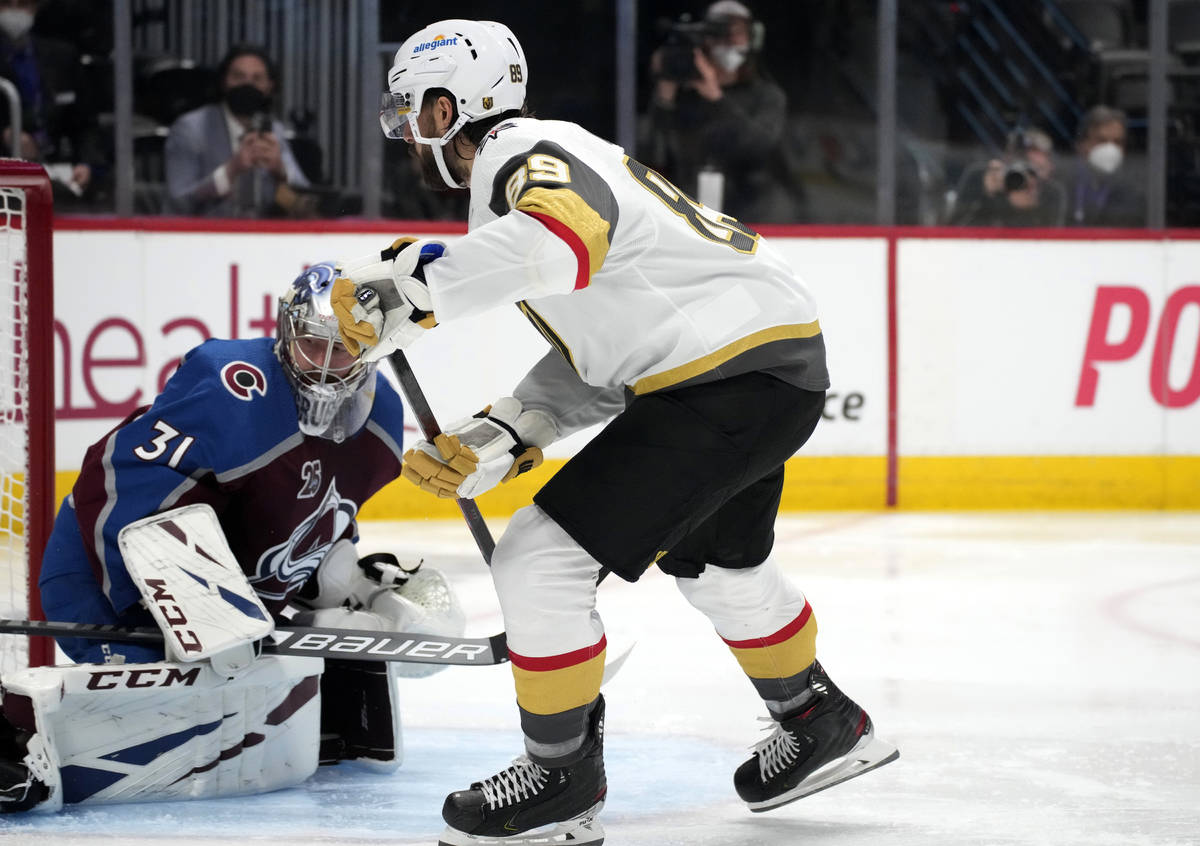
(283, 568)
(243, 380)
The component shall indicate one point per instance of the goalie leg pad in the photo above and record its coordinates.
(360, 715)
(143, 732)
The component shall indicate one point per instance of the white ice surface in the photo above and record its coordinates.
(1039, 672)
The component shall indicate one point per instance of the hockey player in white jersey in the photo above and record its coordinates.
(688, 327)
(223, 506)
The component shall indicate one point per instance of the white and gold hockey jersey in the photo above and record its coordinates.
(637, 285)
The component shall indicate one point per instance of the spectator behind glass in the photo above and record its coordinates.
(1100, 193)
(1018, 189)
(713, 108)
(230, 158)
(58, 127)
(406, 197)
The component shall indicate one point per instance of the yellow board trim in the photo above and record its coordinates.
(683, 372)
(781, 660)
(573, 212)
(1049, 482)
(555, 691)
(859, 483)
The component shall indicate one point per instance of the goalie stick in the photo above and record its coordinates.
(347, 644)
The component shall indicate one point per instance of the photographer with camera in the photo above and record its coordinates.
(230, 158)
(1016, 190)
(714, 111)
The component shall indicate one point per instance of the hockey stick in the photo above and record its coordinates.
(347, 644)
(430, 429)
(470, 511)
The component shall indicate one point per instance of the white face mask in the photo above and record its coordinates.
(16, 22)
(728, 58)
(1106, 157)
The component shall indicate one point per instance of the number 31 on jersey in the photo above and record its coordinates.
(160, 443)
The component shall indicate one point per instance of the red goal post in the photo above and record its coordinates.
(26, 400)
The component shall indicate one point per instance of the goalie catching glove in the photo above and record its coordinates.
(381, 301)
(474, 455)
(378, 593)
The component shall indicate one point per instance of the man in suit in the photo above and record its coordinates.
(230, 158)
(58, 124)
(1101, 192)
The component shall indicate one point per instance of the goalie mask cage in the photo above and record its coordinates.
(26, 401)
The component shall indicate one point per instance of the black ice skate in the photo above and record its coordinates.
(829, 741)
(20, 789)
(529, 804)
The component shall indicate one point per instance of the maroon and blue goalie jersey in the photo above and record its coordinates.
(223, 431)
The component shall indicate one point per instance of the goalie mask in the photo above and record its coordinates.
(334, 390)
(480, 63)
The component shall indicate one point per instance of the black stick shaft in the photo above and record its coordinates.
(430, 429)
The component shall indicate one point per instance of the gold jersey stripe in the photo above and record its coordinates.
(780, 660)
(554, 691)
(573, 212)
(683, 372)
(547, 332)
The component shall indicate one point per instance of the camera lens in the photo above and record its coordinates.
(1015, 179)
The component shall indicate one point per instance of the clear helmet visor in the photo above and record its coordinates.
(397, 110)
(394, 110)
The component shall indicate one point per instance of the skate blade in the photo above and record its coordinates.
(583, 830)
(870, 753)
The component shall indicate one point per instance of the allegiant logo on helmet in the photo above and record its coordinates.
(438, 41)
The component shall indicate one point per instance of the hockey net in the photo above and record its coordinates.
(26, 401)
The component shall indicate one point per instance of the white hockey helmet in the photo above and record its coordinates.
(480, 63)
(334, 390)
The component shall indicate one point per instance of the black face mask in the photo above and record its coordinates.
(246, 100)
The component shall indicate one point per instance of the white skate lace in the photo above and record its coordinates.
(776, 752)
(17, 792)
(517, 782)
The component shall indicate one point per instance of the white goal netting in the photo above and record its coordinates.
(15, 453)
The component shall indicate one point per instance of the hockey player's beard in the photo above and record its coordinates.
(430, 175)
